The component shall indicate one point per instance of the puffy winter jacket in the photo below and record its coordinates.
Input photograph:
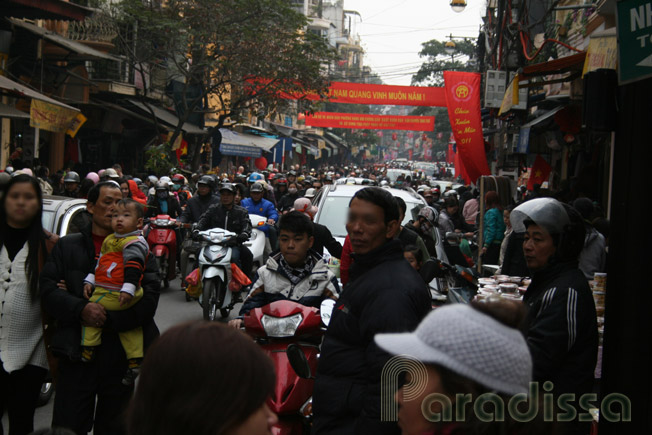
(71, 260)
(236, 220)
(262, 208)
(276, 285)
(384, 294)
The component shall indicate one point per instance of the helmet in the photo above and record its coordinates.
(72, 177)
(4, 178)
(292, 173)
(451, 201)
(207, 180)
(560, 220)
(152, 179)
(136, 180)
(430, 214)
(162, 185)
(310, 193)
(9, 170)
(384, 183)
(111, 173)
(179, 179)
(93, 176)
(228, 187)
(256, 187)
(282, 181)
(255, 176)
(165, 180)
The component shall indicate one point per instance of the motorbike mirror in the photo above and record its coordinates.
(298, 361)
(326, 310)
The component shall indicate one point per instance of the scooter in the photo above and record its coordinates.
(258, 244)
(288, 331)
(162, 241)
(215, 271)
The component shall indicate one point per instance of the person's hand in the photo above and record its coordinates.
(484, 250)
(124, 298)
(236, 323)
(93, 314)
(88, 290)
(62, 285)
(271, 221)
(469, 235)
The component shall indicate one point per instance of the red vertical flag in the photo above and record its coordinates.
(450, 155)
(463, 99)
(539, 172)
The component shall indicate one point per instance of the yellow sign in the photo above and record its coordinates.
(602, 53)
(510, 98)
(75, 125)
(51, 117)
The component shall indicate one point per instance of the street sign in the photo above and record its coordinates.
(634, 40)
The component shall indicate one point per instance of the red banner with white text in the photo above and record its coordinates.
(463, 101)
(375, 122)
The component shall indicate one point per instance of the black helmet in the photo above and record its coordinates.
(227, 186)
(207, 180)
(256, 187)
(72, 177)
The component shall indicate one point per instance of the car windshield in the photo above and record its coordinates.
(335, 209)
(393, 174)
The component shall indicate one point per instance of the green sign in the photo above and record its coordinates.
(634, 40)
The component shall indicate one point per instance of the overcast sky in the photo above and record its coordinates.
(392, 31)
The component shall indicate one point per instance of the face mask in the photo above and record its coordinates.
(176, 186)
(292, 190)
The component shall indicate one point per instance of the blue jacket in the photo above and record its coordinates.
(494, 227)
(262, 208)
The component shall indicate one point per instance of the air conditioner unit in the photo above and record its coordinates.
(494, 88)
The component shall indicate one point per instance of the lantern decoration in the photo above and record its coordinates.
(261, 163)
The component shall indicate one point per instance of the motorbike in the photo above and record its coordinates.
(215, 271)
(258, 244)
(162, 240)
(449, 283)
(288, 331)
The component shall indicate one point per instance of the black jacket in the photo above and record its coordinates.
(561, 329)
(197, 206)
(70, 260)
(287, 201)
(324, 239)
(235, 220)
(514, 261)
(384, 294)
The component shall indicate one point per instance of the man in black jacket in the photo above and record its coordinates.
(384, 294)
(80, 384)
(233, 218)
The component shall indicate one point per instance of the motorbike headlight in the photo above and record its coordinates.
(281, 326)
(216, 237)
(161, 222)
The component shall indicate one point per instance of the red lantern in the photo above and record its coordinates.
(261, 163)
(424, 136)
(394, 136)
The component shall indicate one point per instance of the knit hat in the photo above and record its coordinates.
(304, 206)
(469, 343)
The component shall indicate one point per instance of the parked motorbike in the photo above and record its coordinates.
(215, 271)
(258, 244)
(289, 331)
(449, 283)
(162, 240)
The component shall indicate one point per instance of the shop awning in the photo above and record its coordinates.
(556, 66)
(11, 112)
(168, 118)
(81, 50)
(24, 91)
(524, 133)
(244, 145)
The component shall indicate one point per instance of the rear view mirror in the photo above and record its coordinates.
(298, 361)
(326, 310)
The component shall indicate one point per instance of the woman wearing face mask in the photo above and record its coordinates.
(287, 201)
(163, 202)
(23, 248)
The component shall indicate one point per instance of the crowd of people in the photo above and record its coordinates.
(83, 306)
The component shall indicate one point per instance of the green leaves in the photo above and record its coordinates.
(438, 60)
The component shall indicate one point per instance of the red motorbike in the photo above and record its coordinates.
(162, 241)
(282, 328)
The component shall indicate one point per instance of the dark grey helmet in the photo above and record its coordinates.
(72, 177)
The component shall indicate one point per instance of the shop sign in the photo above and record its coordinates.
(601, 54)
(634, 40)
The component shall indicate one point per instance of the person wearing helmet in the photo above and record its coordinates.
(258, 205)
(254, 177)
(233, 218)
(561, 328)
(180, 191)
(292, 176)
(281, 188)
(110, 174)
(424, 226)
(287, 201)
(163, 202)
(71, 184)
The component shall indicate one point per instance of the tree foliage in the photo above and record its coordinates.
(207, 52)
(431, 72)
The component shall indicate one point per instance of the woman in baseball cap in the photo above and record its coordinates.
(462, 352)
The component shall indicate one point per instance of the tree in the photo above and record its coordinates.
(228, 56)
(431, 72)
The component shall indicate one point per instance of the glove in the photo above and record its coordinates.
(241, 238)
(232, 243)
(195, 234)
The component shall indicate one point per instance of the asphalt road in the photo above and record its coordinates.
(172, 309)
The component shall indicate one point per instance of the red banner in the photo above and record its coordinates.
(539, 173)
(376, 122)
(463, 98)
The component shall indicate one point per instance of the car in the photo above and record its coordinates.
(393, 174)
(59, 212)
(58, 217)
